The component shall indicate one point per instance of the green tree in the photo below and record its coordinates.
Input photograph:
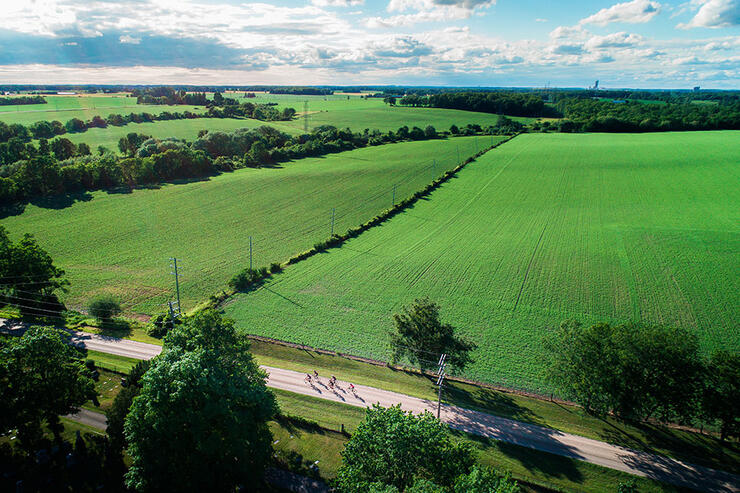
(421, 337)
(30, 274)
(430, 132)
(390, 100)
(721, 399)
(63, 148)
(636, 371)
(83, 149)
(395, 448)
(41, 377)
(200, 420)
(116, 414)
(104, 307)
(484, 480)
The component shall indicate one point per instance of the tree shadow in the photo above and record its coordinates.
(115, 327)
(549, 464)
(489, 401)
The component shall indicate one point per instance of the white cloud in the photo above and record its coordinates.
(714, 14)
(634, 12)
(337, 3)
(126, 39)
(615, 40)
(427, 11)
(540, 19)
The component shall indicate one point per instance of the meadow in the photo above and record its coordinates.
(84, 107)
(545, 228)
(119, 242)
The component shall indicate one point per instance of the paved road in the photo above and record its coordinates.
(537, 437)
(89, 418)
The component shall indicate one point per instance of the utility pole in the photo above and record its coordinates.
(305, 116)
(333, 211)
(172, 315)
(176, 273)
(250, 253)
(394, 194)
(440, 382)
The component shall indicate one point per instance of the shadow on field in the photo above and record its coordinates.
(51, 202)
(489, 401)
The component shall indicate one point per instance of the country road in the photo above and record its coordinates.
(540, 438)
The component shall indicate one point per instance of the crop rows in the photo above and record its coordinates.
(542, 229)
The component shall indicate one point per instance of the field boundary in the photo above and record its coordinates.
(260, 275)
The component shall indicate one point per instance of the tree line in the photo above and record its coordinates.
(59, 167)
(641, 372)
(508, 103)
(593, 115)
(18, 100)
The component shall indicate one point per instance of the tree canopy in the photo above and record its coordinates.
(199, 422)
(41, 378)
(421, 337)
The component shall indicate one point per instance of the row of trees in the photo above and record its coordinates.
(17, 100)
(61, 167)
(640, 372)
(592, 115)
(508, 103)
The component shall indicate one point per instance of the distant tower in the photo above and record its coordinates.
(596, 85)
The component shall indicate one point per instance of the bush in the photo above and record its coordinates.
(275, 268)
(248, 278)
(159, 325)
(104, 307)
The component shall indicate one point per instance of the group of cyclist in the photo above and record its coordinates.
(332, 381)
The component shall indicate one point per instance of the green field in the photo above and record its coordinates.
(180, 129)
(121, 242)
(544, 228)
(84, 107)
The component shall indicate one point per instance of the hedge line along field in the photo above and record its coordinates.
(121, 242)
(84, 107)
(179, 129)
(544, 228)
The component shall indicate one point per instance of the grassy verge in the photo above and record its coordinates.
(693, 447)
(108, 386)
(112, 362)
(527, 465)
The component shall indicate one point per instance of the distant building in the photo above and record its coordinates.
(66, 93)
(696, 88)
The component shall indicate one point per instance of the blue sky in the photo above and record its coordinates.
(635, 43)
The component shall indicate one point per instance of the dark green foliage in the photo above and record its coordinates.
(18, 100)
(116, 414)
(200, 420)
(41, 378)
(504, 103)
(721, 399)
(248, 278)
(395, 448)
(160, 324)
(635, 371)
(104, 307)
(275, 268)
(421, 337)
(31, 278)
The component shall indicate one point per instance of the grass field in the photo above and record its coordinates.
(180, 129)
(546, 227)
(121, 242)
(84, 107)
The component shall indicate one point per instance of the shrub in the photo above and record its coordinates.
(248, 278)
(104, 307)
(160, 324)
(275, 268)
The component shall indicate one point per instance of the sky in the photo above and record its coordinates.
(509, 43)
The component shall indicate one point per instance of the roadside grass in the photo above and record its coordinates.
(107, 386)
(119, 242)
(697, 448)
(529, 465)
(112, 362)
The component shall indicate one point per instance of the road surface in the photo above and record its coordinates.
(536, 437)
(89, 418)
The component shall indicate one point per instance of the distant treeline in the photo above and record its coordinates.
(58, 166)
(22, 100)
(721, 97)
(14, 137)
(508, 103)
(591, 115)
(300, 91)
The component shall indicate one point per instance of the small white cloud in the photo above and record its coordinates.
(634, 12)
(126, 39)
(70, 43)
(615, 40)
(540, 19)
(715, 14)
(337, 3)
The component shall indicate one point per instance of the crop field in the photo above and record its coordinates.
(358, 113)
(84, 107)
(597, 227)
(180, 129)
(121, 242)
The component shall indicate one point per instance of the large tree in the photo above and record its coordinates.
(634, 370)
(41, 378)
(421, 337)
(721, 400)
(395, 448)
(29, 276)
(200, 420)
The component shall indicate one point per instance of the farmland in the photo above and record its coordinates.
(84, 107)
(121, 242)
(545, 228)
